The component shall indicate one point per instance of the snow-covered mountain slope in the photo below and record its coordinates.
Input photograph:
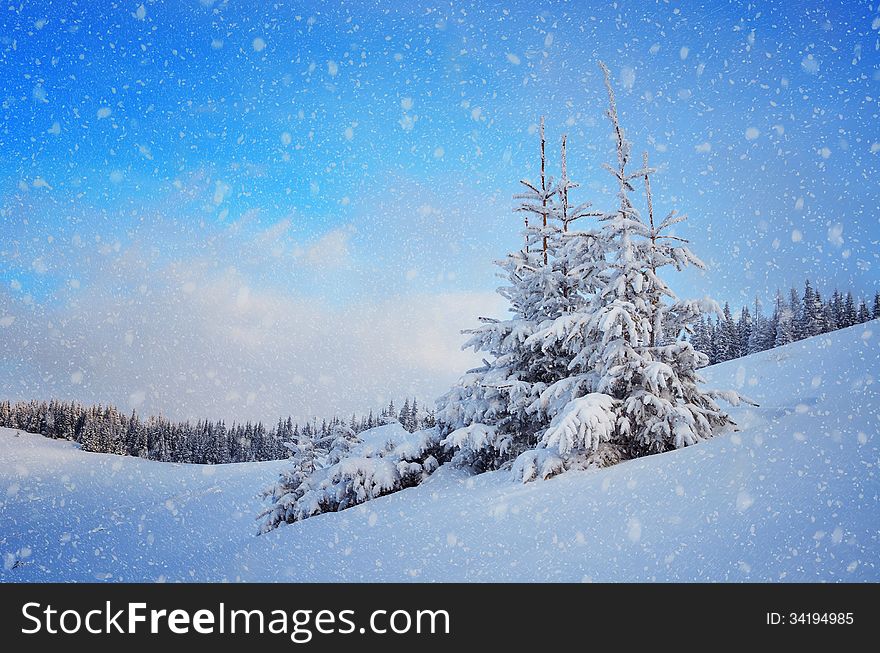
(792, 496)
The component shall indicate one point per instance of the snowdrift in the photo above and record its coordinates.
(794, 495)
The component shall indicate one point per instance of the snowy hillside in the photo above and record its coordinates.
(794, 495)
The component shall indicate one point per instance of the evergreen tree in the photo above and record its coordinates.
(404, 417)
(412, 424)
(93, 437)
(864, 314)
(646, 398)
(700, 337)
(343, 440)
(796, 308)
(784, 322)
(494, 411)
(757, 338)
(849, 312)
(836, 306)
(811, 313)
(136, 437)
(829, 322)
(596, 372)
(744, 330)
(715, 345)
(728, 346)
(291, 486)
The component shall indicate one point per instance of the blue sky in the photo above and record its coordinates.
(201, 200)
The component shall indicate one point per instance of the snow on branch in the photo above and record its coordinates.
(379, 461)
(582, 424)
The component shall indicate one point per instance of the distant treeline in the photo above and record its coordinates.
(795, 317)
(105, 429)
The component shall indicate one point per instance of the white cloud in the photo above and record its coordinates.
(240, 320)
(331, 250)
(270, 243)
(230, 350)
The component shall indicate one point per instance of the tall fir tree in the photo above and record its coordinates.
(647, 396)
(493, 401)
(605, 371)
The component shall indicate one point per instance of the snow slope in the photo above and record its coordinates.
(792, 496)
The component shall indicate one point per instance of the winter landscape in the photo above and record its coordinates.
(322, 293)
(790, 497)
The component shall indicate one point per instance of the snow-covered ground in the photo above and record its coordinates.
(792, 496)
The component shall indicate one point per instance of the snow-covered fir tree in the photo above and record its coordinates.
(647, 391)
(409, 416)
(413, 418)
(291, 486)
(340, 442)
(353, 469)
(610, 383)
(496, 411)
